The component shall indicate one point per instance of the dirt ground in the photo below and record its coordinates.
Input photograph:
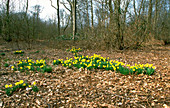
(72, 88)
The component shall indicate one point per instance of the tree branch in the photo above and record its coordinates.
(53, 5)
(67, 24)
(65, 6)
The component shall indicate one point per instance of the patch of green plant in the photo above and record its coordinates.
(6, 65)
(88, 62)
(18, 52)
(37, 51)
(6, 60)
(2, 54)
(74, 51)
(47, 69)
(43, 52)
(149, 71)
(27, 73)
(10, 89)
(30, 65)
(99, 62)
(56, 62)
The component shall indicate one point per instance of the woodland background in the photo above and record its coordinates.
(92, 24)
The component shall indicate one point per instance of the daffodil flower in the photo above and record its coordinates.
(29, 60)
(10, 85)
(29, 67)
(21, 81)
(17, 83)
(6, 86)
(154, 67)
(34, 83)
(24, 84)
(29, 86)
(21, 67)
(12, 67)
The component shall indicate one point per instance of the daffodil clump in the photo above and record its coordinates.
(18, 52)
(10, 89)
(99, 62)
(29, 64)
(74, 51)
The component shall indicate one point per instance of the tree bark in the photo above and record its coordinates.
(7, 24)
(92, 14)
(119, 36)
(87, 10)
(58, 15)
(149, 15)
(155, 18)
(27, 23)
(134, 7)
(74, 18)
(111, 11)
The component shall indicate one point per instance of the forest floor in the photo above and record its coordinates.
(72, 88)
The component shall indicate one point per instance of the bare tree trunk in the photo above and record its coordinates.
(7, 24)
(155, 18)
(102, 16)
(119, 36)
(74, 18)
(134, 7)
(87, 9)
(58, 15)
(139, 12)
(149, 16)
(111, 11)
(92, 14)
(28, 28)
(123, 28)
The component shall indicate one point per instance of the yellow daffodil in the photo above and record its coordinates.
(12, 67)
(154, 67)
(128, 65)
(29, 60)
(41, 66)
(21, 81)
(17, 83)
(29, 86)
(6, 86)
(150, 65)
(24, 84)
(21, 67)
(114, 68)
(29, 67)
(37, 61)
(10, 85)
(34, 83)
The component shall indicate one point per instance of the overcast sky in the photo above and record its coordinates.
(47, 11)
